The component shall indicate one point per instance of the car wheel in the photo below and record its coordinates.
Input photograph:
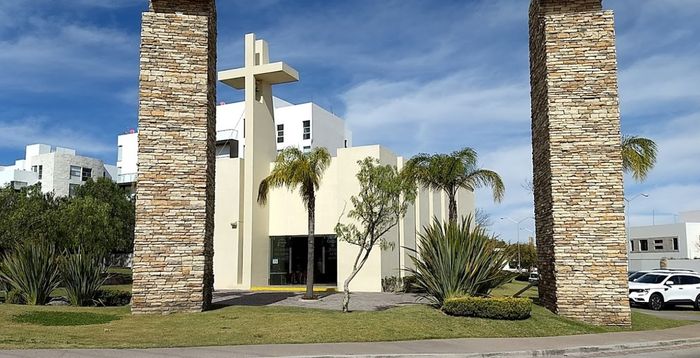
(656, 302)
(697, 303)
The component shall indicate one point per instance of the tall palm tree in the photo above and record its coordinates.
(294, 168)
(638, 156)
(449, 172)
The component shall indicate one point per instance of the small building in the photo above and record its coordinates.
(678, 243)
(59, 170)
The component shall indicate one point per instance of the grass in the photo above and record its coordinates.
(275, 324)
(64, 318)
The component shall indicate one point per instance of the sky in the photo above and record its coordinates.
(414, 76)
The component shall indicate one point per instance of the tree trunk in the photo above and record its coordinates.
(355, 269)
(452, 207)
(310, 262)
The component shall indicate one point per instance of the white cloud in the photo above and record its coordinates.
(462, 107)
(17, 134)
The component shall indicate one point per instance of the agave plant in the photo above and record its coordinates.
(457, 259)
(83, 275)
(32, 271)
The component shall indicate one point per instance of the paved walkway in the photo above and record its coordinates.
(688, 336)
(361, 301)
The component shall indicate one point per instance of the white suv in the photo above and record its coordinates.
(659, 288)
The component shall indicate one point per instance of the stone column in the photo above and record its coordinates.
(577, 161)
(173, 248)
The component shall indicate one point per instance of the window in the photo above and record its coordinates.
(280, 133)
(643, 245)
(658, 245)
(307, 129)
(675, 244)
(307, 148)
(119, 153)
(72, 188)
(631, 245)
(39, 169)
(87, 173)
(75, 171)
(689, 280)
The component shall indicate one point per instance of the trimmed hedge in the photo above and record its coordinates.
(113, 297)
(509, 308)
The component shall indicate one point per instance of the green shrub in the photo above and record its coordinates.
(458, 259)
(410, 285)
(83, 274)
(510, 308)
(113, 297)
(14, 297)
(523, 277)
(32, 270)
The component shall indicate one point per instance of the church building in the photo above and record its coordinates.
(257, 246)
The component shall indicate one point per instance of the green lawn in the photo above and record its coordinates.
(259, 325)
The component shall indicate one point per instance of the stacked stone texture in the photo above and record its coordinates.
(173, 249)
(577, 161)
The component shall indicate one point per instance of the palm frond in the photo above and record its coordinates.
(638, 156)
(481, 178)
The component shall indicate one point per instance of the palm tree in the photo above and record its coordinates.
(449, 172)
(293, 169)
(638, 156)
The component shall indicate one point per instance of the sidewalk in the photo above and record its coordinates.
(467, 347)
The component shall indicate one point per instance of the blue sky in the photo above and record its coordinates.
(415, 76)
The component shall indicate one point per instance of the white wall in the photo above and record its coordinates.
(688, 255)
(228, 233)
(127, 164)
(657, 232)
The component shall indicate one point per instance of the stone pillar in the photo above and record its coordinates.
(577, 161)
(173, 248)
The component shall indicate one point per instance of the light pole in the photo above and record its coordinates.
(517, 222)
(627, 213)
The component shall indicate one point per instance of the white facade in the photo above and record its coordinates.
(255, 262)
(678, 243)
(59, 170)
(304, 126)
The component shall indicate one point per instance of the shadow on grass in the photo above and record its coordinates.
(48, 318)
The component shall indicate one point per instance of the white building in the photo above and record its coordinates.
(59, 170)
(258, 245)
(304, 126)
(678, 243)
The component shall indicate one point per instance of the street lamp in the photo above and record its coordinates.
(517, 222)
(627, 212)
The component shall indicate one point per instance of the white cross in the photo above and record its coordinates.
(258, 66)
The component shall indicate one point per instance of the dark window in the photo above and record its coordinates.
(87, 173)
(307, 129)
(675, 244)
(643, 245)
(689, 280)
(651, 278)
(41, 172)
(280, 133)
(631, 245)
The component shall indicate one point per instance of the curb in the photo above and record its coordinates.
(552, 352)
